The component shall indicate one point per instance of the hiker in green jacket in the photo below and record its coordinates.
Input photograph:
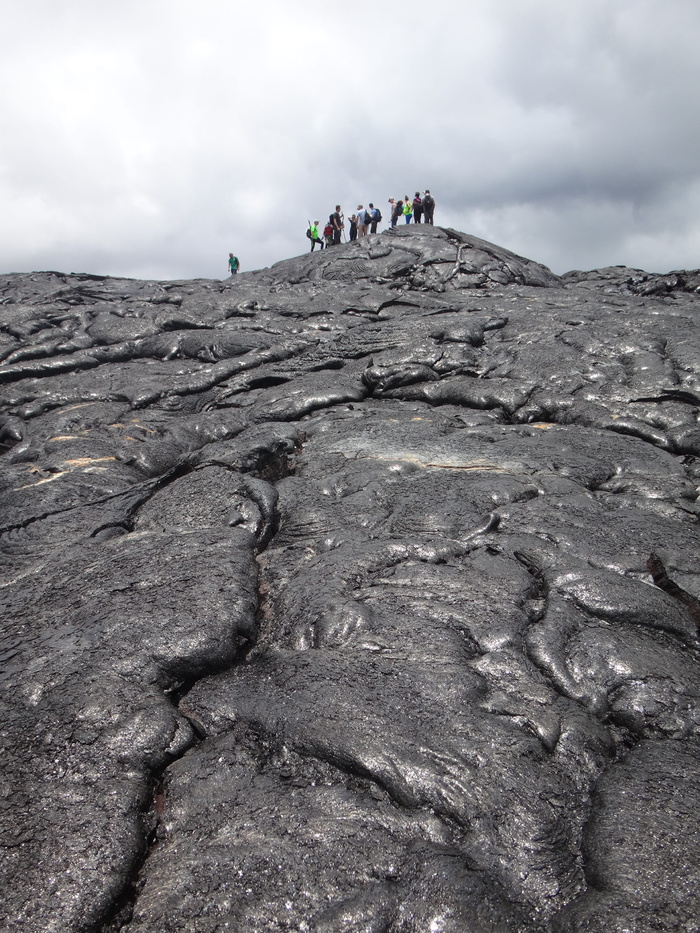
(233, 263)
(313, 235)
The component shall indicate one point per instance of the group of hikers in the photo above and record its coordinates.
(421, 209)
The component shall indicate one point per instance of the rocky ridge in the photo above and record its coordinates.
(360, 593)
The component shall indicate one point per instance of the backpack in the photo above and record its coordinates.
(308, 232)
(417, 204)
(328, 230)
(377, 216)
(428, 201)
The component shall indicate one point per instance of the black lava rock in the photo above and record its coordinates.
(360, 593)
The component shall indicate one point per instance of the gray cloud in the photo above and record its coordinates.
(150, 139)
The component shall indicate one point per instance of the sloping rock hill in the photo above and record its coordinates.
(355, 594)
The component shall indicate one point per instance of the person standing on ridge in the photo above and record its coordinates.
(233, 264)
(362, 221)
(353, 227)
(417, 208)
(397, 211)
(336, 219)
(375, 215)
(428, 206)
(313, 235)
(407, 209)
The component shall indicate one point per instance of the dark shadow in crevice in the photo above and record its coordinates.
(268, 382)
(661, 579)
(540, 589)
(7, 444)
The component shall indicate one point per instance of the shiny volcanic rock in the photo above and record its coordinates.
(355, 595)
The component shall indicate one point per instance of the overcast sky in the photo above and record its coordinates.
(148, 138)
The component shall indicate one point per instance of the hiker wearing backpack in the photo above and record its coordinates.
(336, 221)
(428, 206)
(375, 216)
(362, 221)
(417, 208)
(396, 210)
(328, 234)
(312, 234)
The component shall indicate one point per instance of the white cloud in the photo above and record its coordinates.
(151, 138)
